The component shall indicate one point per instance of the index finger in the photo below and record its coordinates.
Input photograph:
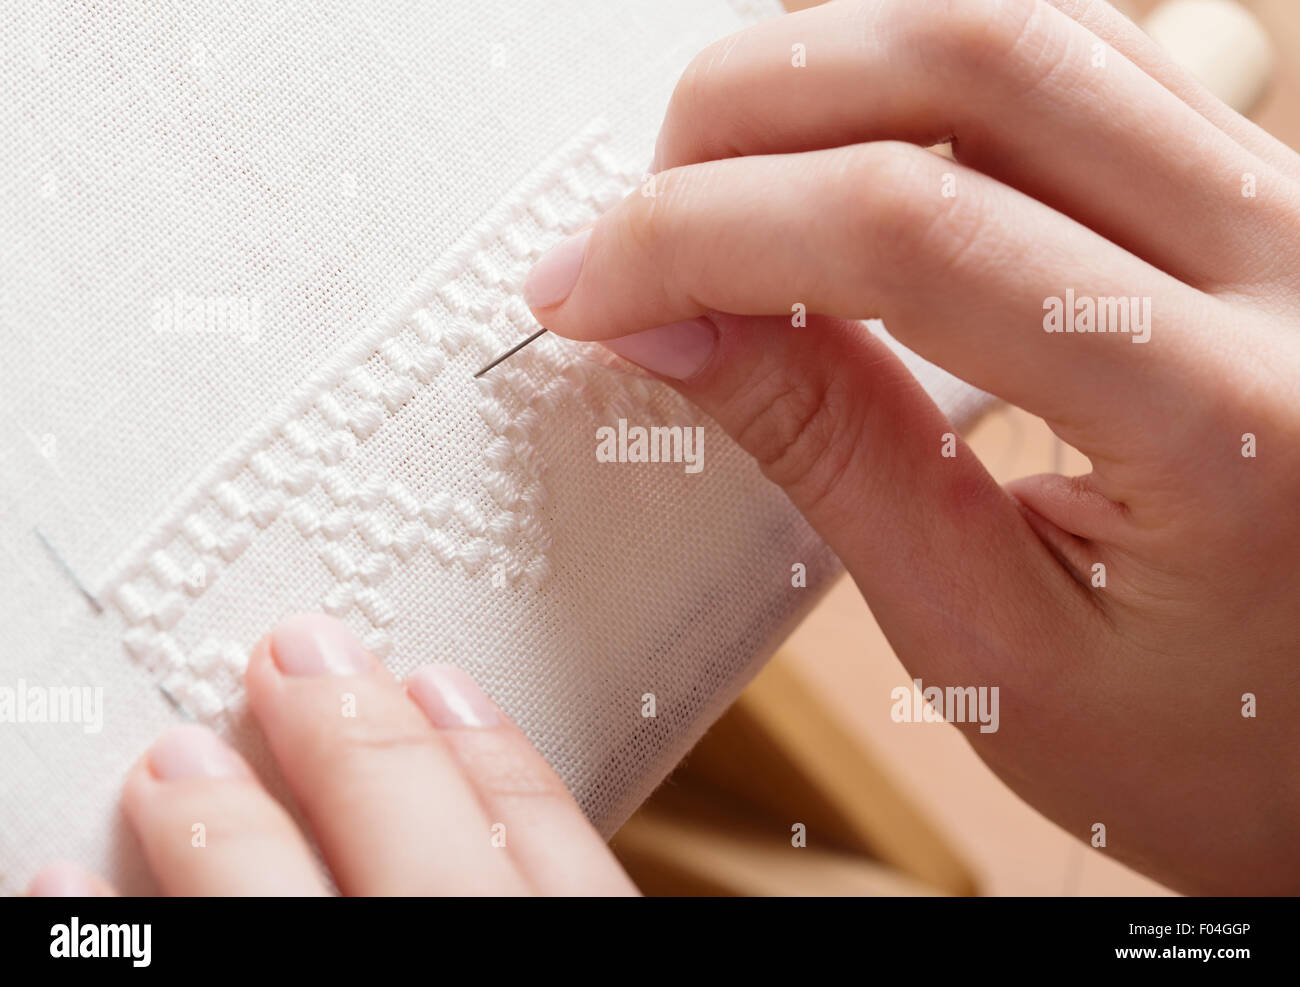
(965, 280)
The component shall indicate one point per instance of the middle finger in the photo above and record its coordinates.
(1030, 97)
(385, 798)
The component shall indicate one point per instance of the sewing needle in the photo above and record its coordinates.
(509, 353)
(67, 571)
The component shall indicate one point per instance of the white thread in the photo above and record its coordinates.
(165, 571)
(298, 449)
(268, 508)
(204, 658)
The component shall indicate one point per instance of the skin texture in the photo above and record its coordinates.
(403, 787)
(777, 185)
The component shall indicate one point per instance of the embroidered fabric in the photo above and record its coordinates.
(326, 446)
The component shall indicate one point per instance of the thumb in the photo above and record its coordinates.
(952, 570)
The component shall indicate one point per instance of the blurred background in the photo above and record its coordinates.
(908, 809)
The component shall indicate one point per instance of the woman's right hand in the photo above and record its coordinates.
(1086, 162)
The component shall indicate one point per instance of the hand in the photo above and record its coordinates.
(421, 789)
(1112, 175)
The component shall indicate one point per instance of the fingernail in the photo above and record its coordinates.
(62, 880)
(678, 350)
(450, 698)
(553, 277)
(314, 644)
(193, 752)
(657, 161)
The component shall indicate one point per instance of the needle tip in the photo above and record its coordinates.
(509, 353)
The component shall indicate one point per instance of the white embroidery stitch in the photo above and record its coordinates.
(291, 468)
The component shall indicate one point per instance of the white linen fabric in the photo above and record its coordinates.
(252, 256)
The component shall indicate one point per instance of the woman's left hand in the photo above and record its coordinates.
(423, 787)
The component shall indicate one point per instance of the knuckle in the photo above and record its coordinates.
(361, 737)
(662, 235)
(953, 236)
(648, 220)
(706, 93)
(975, 31)
(691, 83)
(795, 429)
(695, 89)
(910, 228)
(689, 104)
(990, 39)
(499, 765)
(885, 184)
